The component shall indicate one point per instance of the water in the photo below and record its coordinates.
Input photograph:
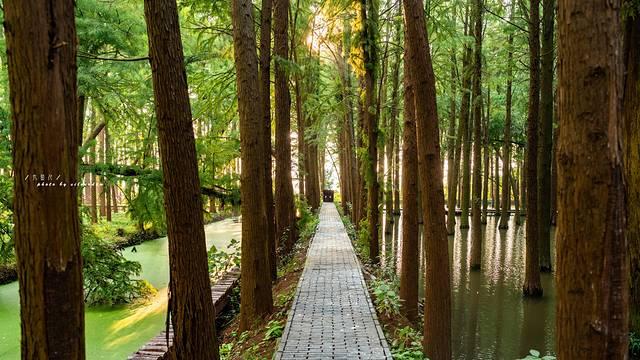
(116, 332)
(490, 317)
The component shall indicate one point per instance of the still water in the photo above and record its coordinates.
(490, 317)
(115, 332)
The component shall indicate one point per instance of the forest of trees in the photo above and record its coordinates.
(453, 113)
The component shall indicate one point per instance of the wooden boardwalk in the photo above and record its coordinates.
(332, 316)
(157, 347)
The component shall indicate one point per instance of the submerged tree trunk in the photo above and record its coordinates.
(465, 121)
(265, 92)
(631, 151)
(496, 185)
(532, 285)
(410, 263)
(369, 17)
(285, 206)
(437, 305)
(592, 304)
(476, 221)
(256, 299)
(545, 140)
(42, 89)
(189, 285)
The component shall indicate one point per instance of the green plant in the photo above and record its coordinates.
(108, 275)
(406, 344)
(274, 330)
(220, 261)
(634, 345)
(308, 221)
(535, 354)
(386, 296)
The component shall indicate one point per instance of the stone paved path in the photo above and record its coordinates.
(332, 316)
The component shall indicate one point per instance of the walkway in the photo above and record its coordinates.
(332, 316)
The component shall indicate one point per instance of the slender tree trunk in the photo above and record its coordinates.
(487, 163)
(452, 170)
(532, 285)
(592, 308)
(496, 178)
(107, 182)
(465, 120)
(265, 92)
(391, 131)
(437, 307)
(554, 177)
(256, 299)
(545, 142)
(369, 17)
(519, 195)
(410, 263)
(42, 89)
(506, 152)
(190, 304)
(396, 171)
(631, 149)
(476, 221)
(516, 195)
(285, 207)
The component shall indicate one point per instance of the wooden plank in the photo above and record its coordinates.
(220, 291)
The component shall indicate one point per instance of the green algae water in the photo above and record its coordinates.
(114, 332)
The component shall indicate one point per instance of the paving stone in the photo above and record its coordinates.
(332, 316)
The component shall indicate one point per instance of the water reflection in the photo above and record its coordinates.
(491, 319)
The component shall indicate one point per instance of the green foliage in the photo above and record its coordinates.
(274, 330)
(6, 221)
(387, 299)
(407, 344)
(362, 239)
(108, 276)
(535, 354)
(308, 221)
(147, 208)
(220, 261)
(634, 345)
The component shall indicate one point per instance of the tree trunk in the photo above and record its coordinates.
(465, 119)
(391, 131)
(506, 147)
(192, 311)
(532, 286)
(476, 221)
(107, 181)
(631, 151)
(265, 93)
(103, 182)
(369, 17)
(437, 306)
(452, 169)
(410, 263)
(256, 299)
(592, 303)
(285, 206)
(545, 142)
(496, 179)
(487, 163)
(42, 89)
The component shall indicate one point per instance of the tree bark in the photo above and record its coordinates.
(265, 92)
(369, 16)
(452, 166)
(631, 151)
(476, 220)
(285, 207)
(545, 141)
(592, 303)
(532, 286)
(437, 307)
(256, 299)
(410, 263)
(465, 120)
(41, 52)
(190, 304)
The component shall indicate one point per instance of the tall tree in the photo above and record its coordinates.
(465, 119)
(476, 220)
(41, 51)
(189, 285)
(285, 207)
(532, 285)
(452, 165)
(369, 18)
(265, 93)
(592, 307)
(410, 263)
(506, 147)
(256, 299)
(437, 293)
(631, 108)
(545, 145)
